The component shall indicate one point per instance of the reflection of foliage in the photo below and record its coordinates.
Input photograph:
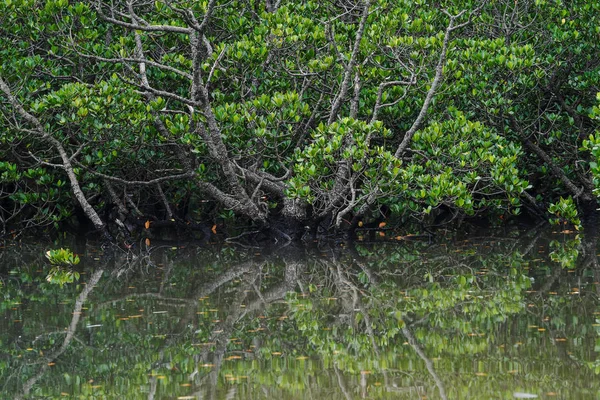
(565, 253)
(250, 327)
(451, 302)
(61, 273)
(595, 365)
(62, 256)
(59, 276)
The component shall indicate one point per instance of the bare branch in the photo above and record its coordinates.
(115, 199)
(380, 90)
(165, 201)
(139, 183)
(137, 61)
(66, 162)
(161, 93)
(215, 65)
(140, 27)
(337, 103)
(439, 69)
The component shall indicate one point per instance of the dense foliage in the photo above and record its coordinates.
(294, 114)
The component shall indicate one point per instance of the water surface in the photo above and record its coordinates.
(479, 318)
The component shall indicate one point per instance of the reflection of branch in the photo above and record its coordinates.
(413, 343)
(550, 281)
(341, 382)
(70, 332)
(222, 332)
(532, 242)
(147, 296)
(153, 386)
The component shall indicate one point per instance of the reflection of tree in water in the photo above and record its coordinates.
(373, 322)
(48, 359)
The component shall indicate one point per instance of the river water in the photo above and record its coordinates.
(515, 315)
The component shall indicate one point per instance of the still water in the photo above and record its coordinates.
(516, 316)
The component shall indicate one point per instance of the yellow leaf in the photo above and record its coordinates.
(360, 223)
(214, 229)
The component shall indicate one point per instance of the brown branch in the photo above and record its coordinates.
(115, 199)
(556, 171)
(165, 202)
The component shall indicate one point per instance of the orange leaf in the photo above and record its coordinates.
(214, 229)
(147, 242)
(147, 224)
(382, 224)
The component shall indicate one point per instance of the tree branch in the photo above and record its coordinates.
(439, 69)
(337, 103)
(66, 162)
(144, 28)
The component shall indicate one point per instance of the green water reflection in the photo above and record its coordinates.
(476, 319)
